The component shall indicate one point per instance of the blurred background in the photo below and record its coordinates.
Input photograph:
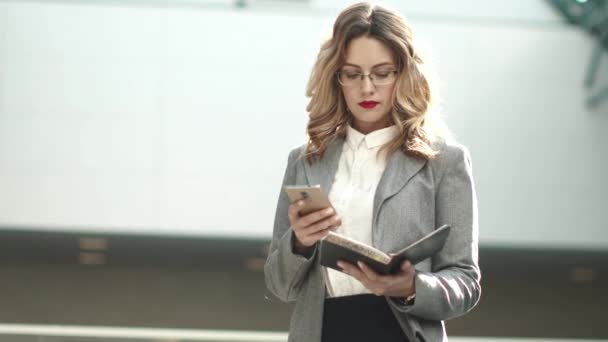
(143, 143)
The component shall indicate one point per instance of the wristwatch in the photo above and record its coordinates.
(409, 300)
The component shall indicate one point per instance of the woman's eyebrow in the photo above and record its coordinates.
(375, 66)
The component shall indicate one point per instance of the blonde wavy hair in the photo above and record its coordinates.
(413, 97)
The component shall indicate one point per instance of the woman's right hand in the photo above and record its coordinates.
(311, 228)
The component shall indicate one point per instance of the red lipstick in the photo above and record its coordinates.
(368, 104)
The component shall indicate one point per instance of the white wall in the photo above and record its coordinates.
(178, 119)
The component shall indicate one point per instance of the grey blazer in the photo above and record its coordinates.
(413, 198)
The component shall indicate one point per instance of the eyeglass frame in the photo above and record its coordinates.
(362, 75)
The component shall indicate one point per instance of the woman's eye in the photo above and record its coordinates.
(382, 74)
(352, 75)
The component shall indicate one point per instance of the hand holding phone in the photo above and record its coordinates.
(313, 197)
(311, 215)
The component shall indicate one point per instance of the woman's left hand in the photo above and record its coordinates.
(401, 284)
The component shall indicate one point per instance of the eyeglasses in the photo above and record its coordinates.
(378, 77)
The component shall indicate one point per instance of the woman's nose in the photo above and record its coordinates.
(367, 86)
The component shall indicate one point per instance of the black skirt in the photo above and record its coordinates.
(361, 318)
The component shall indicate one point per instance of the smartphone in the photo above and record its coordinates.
(314, 198)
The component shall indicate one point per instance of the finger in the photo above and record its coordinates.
(351, 270)
(324, 224)
(369, 272)
(293, 210)
(311, 239)
(316, 216)
(407, 266)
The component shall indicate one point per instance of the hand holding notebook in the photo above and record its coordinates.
(335, 247)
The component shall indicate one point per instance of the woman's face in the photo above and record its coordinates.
(369, 104)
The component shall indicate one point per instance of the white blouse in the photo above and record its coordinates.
(352, 195)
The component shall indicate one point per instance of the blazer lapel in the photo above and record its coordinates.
(323, 171)
(400, 168)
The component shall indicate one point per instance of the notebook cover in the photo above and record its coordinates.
(426, 247)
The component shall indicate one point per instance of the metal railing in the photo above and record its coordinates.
(59, 333)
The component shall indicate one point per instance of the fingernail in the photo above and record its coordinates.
(329, 210)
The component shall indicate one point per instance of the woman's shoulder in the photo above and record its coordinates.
(449, 151)
(298, 149)
(296, 153)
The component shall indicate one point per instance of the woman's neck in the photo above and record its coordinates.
(368, 127)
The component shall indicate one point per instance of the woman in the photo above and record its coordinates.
(392, 177)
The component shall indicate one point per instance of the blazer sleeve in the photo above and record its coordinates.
(453, 287)
(284, 270)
